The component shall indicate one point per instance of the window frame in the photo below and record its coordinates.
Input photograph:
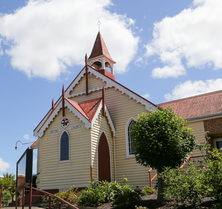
(128, 155)
(60, 147)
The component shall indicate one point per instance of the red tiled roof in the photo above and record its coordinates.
(100, 48)
(90, 107)
(196, 106)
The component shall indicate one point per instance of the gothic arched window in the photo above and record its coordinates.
(64, 146)
(129, 138)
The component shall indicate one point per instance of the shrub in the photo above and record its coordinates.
(148, 190)
(212, 175)
(71, 195)
(126, 198)
(184, 185)
(91, 197)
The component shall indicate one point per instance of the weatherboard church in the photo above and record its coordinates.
(86, 133)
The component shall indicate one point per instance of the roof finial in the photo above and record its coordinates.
(99, 23)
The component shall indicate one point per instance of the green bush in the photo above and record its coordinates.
(91, 197)
(184, 185)
(148, 190)
(71, 195)
(126, 198)
(212, 175)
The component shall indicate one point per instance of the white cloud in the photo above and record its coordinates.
(3, 165)
(190, 88)
(147, 96)
(193, 35)
(26, 136)
(47, 36)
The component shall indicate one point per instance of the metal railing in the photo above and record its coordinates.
(30, 202)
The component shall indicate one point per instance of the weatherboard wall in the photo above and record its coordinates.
(76, 171)
(101, 125)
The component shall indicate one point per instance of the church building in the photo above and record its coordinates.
(86, 133)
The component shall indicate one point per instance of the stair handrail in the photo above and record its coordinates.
(52, 195)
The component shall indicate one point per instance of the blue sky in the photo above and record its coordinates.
(165, 50)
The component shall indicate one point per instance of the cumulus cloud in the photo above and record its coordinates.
(192, 88)
(194, 36)
(3, 165)
(147, 96)
(26, 136)
(46, 36)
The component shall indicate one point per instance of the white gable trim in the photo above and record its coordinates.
(109, 83)
(88, 124)
(110, 121)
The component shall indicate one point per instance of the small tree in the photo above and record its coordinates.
(161, 139)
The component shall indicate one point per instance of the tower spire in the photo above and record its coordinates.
(100, 57)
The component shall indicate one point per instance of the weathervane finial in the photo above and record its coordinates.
(99, 23)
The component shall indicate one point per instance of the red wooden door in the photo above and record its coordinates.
(103, 159)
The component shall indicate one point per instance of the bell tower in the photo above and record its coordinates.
(100, 58)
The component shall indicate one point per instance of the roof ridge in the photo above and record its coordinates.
(186, 98)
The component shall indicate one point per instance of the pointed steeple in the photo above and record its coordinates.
(100, 49)
(100, 57)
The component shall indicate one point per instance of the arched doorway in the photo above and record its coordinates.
(103, 159)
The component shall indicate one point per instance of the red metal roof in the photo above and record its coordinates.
(35, 143)
(87, 108)
(100, 48)
(90, 107)
(76, 105)
(196, 106)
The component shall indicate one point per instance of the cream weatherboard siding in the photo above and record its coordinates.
(93, 83)
(122, 108)
(101, 125)
(199, 133)
(76, 171)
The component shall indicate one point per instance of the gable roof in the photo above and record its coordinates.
(109, 83)
(100, 49)
(197, 106)
(86, 111)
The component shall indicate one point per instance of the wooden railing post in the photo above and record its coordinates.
(30, 196)
(50, 201)
(23, 199)
(16, 198)
(150, 177)
(1, 196)
(59, 205)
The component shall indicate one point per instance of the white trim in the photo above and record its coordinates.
(109, 155)
(110, 121)
(61, 161)
(127, 139)
(96, 114)
(109, 83)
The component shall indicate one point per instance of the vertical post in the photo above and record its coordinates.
(103, 96)
(16, 198)
(30, 196)
(23, 199)
(59, 205)
(91, 173)
(50, 201)
(150, 178)
(1, 196)
(86, 63)
(63, 101)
